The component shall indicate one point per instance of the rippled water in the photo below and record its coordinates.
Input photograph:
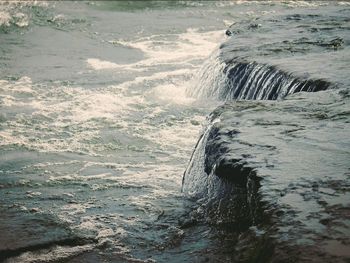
(97, 127)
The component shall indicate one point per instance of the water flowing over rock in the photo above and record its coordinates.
(228, 78)
(30, 232)
(272, 162)
(265, 167)
(259, 166)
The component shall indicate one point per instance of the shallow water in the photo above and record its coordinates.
(97, 125)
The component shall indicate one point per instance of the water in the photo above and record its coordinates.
(100, 113)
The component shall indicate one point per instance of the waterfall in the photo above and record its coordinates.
(239, 79)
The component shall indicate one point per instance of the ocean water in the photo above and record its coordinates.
(101, 108)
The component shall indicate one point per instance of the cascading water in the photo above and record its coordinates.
(266, 152)
(235, 79)
(242, 80)
(96, 131)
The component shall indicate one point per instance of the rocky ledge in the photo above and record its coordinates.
(277, 172)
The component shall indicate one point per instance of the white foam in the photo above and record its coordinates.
(59, 17)
(155, 76)
(94, 225)
(23, 85)
(5, 18)
(308, 3)
(21, 20)
(228, 23)
(75, 209)
(98, 64)
(56, 253)
(83, 178)
(171, 94)
(10, 15)
(343, 3)
(182, 135)
(89, 223)
(191, 45)
(290, 3)
(78, 113)
(23, 3)
(108, 232)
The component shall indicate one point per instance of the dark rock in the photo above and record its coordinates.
(247, 172)
(254, 26)
(22, 231)
(228, 32)
(241, 77)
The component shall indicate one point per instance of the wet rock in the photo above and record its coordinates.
(242, 78)
(280, 168)
(254, 26)
(22, 231)
(34, 210)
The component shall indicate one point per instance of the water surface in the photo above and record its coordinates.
(97, 124)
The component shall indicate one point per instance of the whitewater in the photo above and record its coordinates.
(110, 111)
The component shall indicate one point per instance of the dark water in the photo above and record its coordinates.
(102, 104)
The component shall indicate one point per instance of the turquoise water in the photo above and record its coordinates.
(97, 127)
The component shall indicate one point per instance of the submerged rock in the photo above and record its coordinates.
(22, 232)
